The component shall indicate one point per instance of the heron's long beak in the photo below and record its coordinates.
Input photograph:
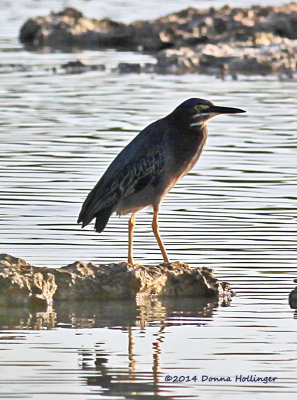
(224, 110)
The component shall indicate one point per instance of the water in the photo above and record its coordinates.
(235, 212)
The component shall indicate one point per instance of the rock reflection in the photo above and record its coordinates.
(26, 318)
(124, 313)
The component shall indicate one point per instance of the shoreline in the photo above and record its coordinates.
(226, 41)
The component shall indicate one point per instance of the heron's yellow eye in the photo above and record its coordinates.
(202, 107)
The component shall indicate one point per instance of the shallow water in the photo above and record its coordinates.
(235, 212)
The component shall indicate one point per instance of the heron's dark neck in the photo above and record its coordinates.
(187, 141)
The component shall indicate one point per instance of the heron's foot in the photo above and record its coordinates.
(137, 265)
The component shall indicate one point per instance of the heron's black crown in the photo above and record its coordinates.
(193, 103)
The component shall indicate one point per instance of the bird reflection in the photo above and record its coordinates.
(132, 382)
(133, 317)
(120, 381)
(132, 361)
(157, 351)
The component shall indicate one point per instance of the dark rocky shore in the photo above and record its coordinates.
(256, 40)
(23, 284)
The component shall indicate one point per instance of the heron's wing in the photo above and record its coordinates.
(139, 164)
(137, 175)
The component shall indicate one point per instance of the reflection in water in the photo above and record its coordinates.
(126, 383)
(25, 318)
(131, 383)
(130, 315)
(121, 381)
(124, 313)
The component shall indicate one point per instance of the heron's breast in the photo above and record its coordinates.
(190, 163)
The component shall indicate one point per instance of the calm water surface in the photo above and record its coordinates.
(235, 212)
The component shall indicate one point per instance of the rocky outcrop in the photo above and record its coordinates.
(258, 40)
(70, 29)
(22, 283)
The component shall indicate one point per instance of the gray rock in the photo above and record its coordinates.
(69, 30)
(126, 68)
(4, 68)
(77, 67)
(22, 283)
(261, 40)
(293, 297)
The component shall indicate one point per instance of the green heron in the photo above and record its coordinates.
(150, 165)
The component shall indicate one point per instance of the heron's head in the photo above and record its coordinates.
(197, 111)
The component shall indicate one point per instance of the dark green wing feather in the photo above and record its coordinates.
(136, 175)
(140, 163)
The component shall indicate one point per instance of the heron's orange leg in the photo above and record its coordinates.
(158, 237)
(131, 229)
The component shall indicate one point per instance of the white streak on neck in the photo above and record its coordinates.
(199, 123)
(200, 115)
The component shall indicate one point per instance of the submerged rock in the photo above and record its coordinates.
(22, 283)
(293, 297)
(77, 67)
(258, 40)
(4, 68)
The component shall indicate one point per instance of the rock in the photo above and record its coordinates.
(258, 40)
(283, 24)
(22, 283)
(124, 68)
(69, 30)
(293, 297)
(77, 67)
(4, 68)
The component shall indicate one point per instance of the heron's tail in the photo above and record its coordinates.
(93, 208)
(101, 216)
